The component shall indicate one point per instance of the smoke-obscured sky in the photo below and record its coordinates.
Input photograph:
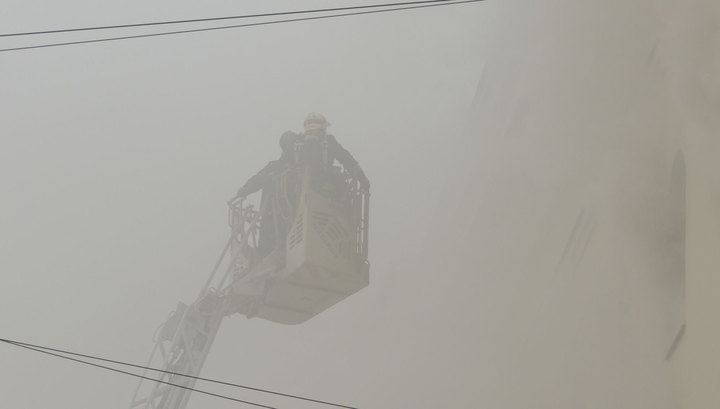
(117, 159)
(490, 133)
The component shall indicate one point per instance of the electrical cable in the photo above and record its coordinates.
(201, 20)
(444, 3)
(40, 348)
(141, 376)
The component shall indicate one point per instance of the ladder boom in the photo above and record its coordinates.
(182, 347)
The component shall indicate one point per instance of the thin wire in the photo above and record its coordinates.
(140, 376)
(448, 3)
(39, 347)
(200, 20)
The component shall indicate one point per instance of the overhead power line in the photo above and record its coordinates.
(141, 376)
(439, 4)
(40, 348)
(202, 20)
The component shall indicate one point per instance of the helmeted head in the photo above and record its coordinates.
(316, 122)
(286, 140)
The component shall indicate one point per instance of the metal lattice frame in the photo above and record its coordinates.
(185, 340)
(184, 353)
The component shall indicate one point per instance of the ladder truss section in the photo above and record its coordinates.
(181, 347)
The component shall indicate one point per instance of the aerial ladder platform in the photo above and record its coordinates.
(302, 250)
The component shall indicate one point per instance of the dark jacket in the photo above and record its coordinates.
(307, 149)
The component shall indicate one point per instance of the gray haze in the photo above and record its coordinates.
(487, 131)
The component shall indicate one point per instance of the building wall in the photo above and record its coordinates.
(696, 361)
(584, 265)
(692, 63)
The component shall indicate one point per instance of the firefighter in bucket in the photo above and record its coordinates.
(313, 148)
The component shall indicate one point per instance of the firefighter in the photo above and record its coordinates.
(314, 147)
(259, 181)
